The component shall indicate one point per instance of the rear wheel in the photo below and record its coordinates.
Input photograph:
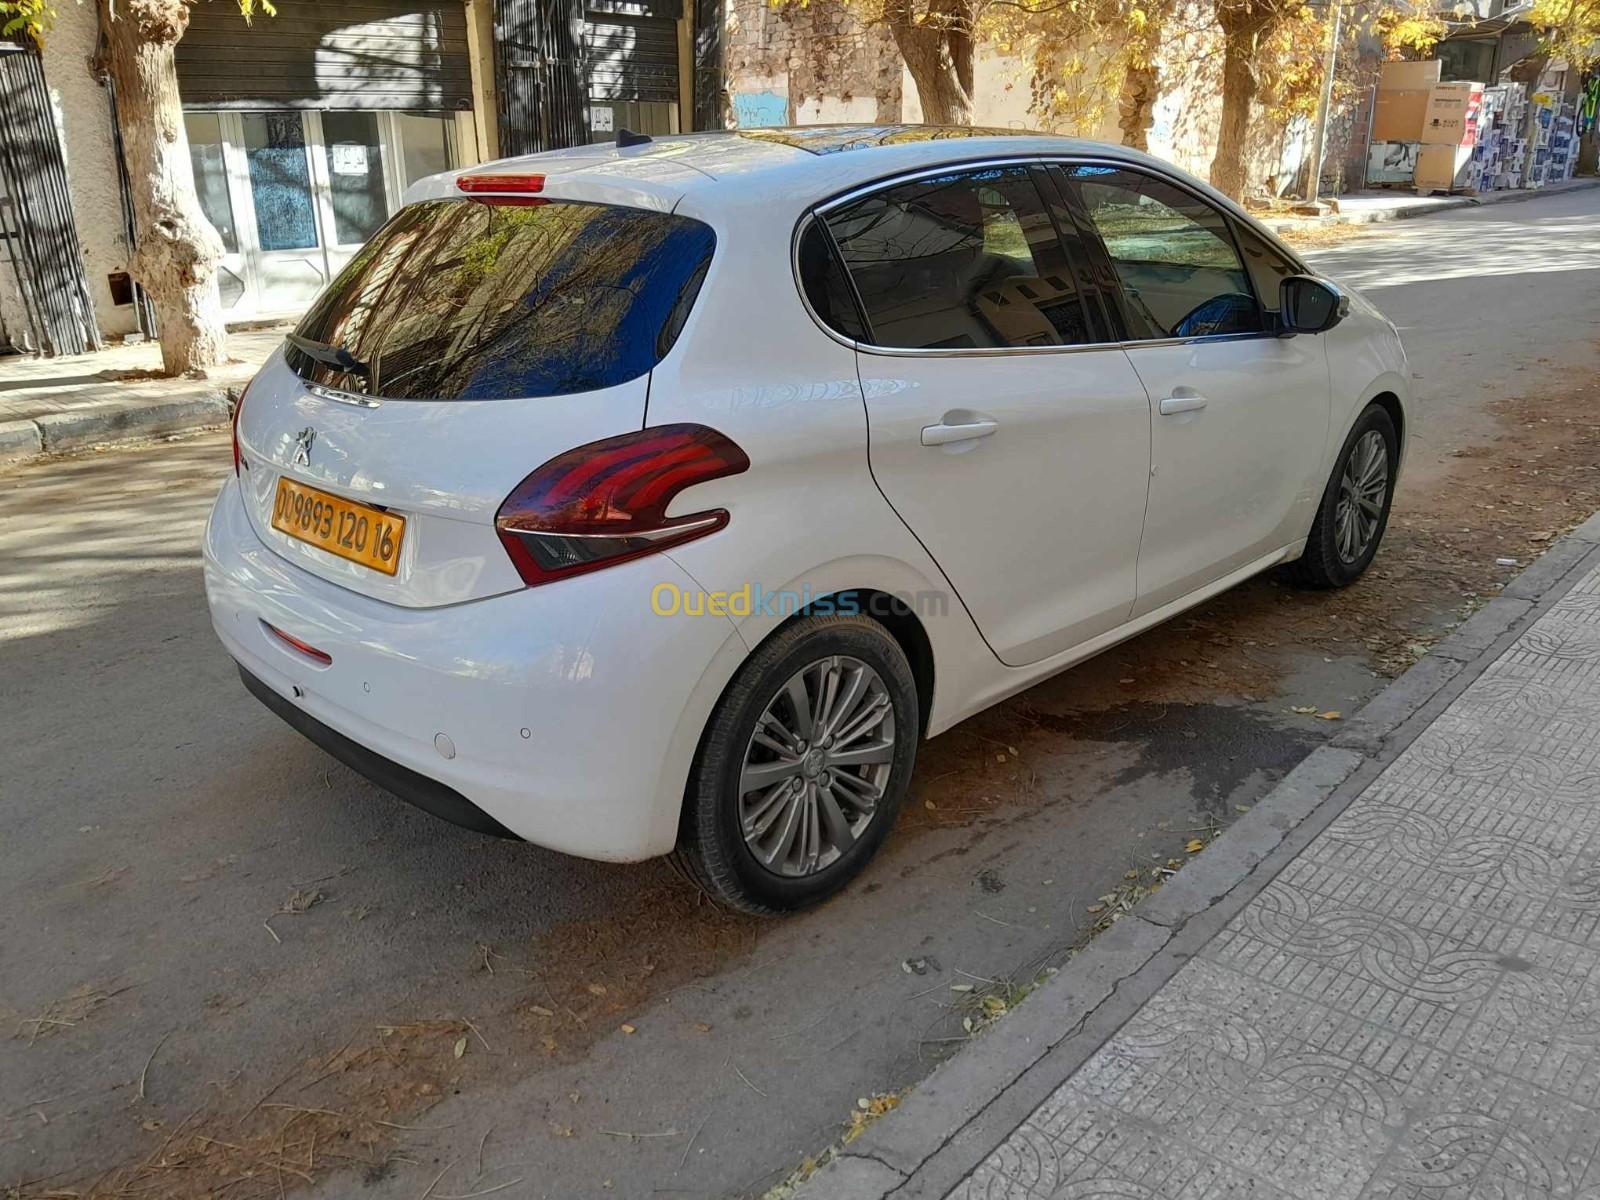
(803, 766)
(1355, 505)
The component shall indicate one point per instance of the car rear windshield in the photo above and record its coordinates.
(467, 300)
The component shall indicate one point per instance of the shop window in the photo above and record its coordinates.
(355, 175)
(425, 147)
(211, 174)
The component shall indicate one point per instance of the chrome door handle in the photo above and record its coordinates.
(1181, 404)
(966, 431)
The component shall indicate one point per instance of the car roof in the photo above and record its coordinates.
(781, 172)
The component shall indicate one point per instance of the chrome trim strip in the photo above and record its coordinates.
(334, 394)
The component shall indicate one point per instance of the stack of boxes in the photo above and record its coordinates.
(1555, 147)
(1424, 132)
(1499, 160)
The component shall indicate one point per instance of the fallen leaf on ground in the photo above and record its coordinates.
(1195, 845)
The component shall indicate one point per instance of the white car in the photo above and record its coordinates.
(661, 497)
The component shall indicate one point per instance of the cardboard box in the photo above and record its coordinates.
(1451, 115)
(1391, 162)
(1399, 115)
(1443, 168)
(1408, 76)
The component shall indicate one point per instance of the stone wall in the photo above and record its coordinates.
(794, 65)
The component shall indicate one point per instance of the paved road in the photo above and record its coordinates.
(206, 919)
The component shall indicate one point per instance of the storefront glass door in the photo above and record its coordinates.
(295, 194)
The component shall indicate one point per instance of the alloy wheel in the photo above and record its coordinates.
(816, 766)
(1363, 488)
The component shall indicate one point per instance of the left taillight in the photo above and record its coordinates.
(606, 502)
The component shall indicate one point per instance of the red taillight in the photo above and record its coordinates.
(306, 648)
(606, 502)
(503, 184)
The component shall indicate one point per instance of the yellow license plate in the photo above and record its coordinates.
(359, 532)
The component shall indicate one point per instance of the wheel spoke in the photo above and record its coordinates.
(801, 703)
(838, 827)
(756, 776)
(793, 816)
(865, 755)
(759, 817)
(845, 703)
(863, 724)
(856, 791)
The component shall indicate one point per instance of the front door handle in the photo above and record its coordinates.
(1181, 404)
(964, 431)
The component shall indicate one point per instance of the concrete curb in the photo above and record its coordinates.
(104, 424)
(1425, 208)
(971, 1102)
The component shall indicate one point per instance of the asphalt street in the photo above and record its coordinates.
(207, 921)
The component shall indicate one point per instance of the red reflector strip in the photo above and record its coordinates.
(473, 184)
(305, 648)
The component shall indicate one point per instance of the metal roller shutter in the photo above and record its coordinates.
(631, 57)
(366, 54)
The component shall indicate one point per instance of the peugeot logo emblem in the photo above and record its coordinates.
(302, 446)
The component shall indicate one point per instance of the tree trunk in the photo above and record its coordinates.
(1241, 33)
(177, 251)
(938, 51)
(1140, 89)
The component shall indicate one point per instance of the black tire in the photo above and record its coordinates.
(1322, 565)
(712, 850)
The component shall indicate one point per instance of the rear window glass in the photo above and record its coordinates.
(465, 300)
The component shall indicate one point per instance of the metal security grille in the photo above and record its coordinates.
(41, 238)
(710, 104)
(540, 71)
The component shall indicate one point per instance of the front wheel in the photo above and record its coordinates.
(1355, 506)
(803, 766)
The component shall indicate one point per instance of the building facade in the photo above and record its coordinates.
(305, 129)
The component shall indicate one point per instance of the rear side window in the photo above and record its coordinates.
(965, 260)
(1180, 274)
(466, 300)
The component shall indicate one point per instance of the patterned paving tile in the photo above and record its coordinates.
(1409, 1011)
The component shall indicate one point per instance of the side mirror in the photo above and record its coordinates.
(1307, 304)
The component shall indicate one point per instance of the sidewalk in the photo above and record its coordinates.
(1382, 204)
(1384, 981)
(52, 405)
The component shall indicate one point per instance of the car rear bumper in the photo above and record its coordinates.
(566, 715)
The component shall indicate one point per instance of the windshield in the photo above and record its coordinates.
(466, 300)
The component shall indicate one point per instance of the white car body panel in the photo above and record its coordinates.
(456, 644)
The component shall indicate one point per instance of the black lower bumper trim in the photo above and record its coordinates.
(429, 795)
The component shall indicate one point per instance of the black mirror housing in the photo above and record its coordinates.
(1310, 305)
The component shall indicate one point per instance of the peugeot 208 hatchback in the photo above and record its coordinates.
(659, 498)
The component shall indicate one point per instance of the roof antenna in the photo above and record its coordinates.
(627, 137)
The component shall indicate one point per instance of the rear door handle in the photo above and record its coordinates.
(1181, 404)
(965, 431)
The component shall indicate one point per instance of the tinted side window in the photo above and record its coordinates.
(826, 286)
(465, 300)
(1267, 265)
(968, 259)
(1180, 273)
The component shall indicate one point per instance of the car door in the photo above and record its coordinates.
(1006, 427)
(1240, 415)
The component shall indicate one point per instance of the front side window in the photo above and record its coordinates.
(964, 260)
(1173, 255)
(1268, 266)
(466, 300)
